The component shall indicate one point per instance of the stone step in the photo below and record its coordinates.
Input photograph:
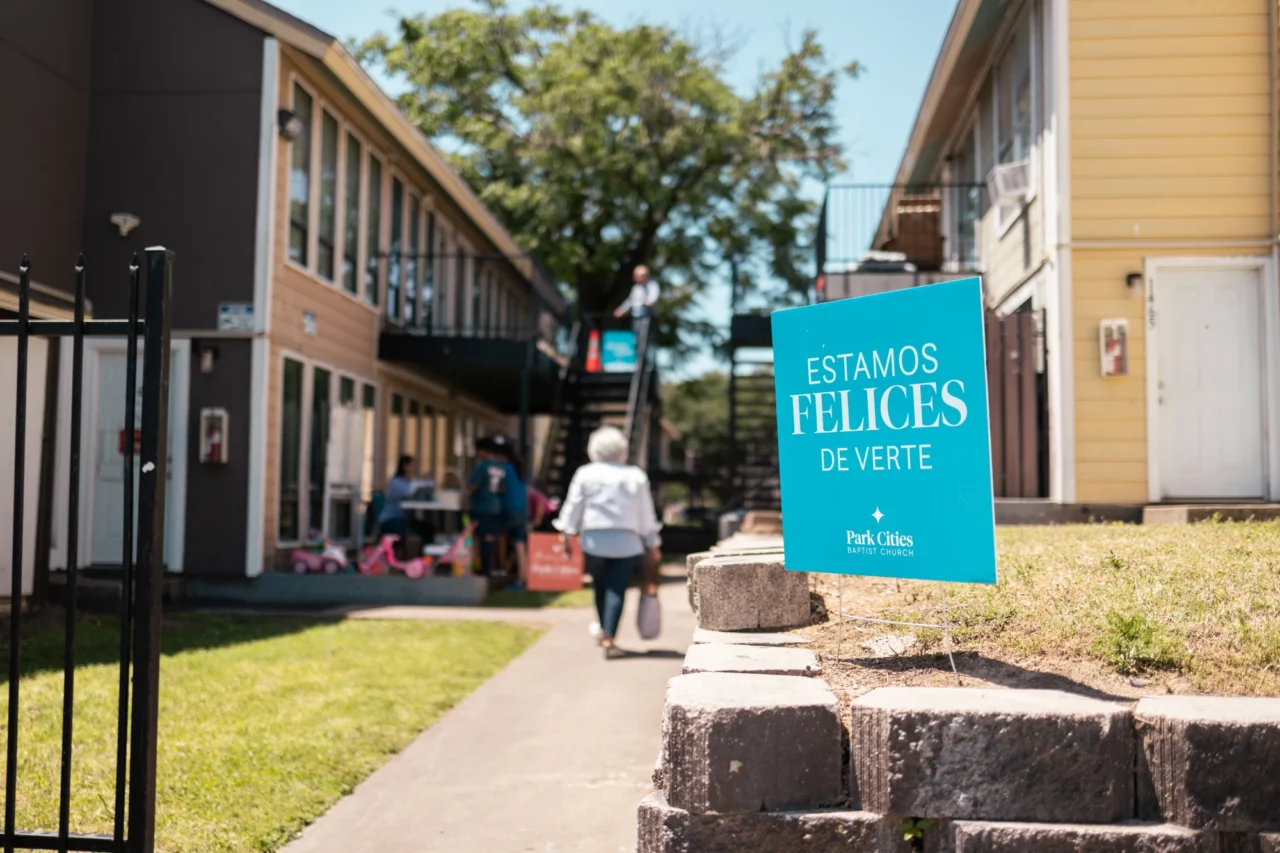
(664, 829)
(990, 837)
(965, 753)
(750, 743)
(1210, 762)
(747, 638)
(761, 660)
(748, 593)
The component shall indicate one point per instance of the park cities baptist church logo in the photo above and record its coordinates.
(881, 542)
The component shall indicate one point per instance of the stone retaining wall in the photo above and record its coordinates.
(755, 755)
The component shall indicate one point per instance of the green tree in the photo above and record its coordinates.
(601, 148)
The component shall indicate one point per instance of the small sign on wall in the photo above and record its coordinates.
(235, 317)
(309, 323)
(1113, 342)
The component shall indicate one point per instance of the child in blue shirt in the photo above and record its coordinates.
(488, 486)
(515, 510)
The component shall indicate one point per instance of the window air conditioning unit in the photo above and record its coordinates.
(1010, 183)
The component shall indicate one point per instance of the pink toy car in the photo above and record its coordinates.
(330, 559)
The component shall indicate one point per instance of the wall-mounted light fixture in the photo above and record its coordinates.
(291, 126)
(1133, 279)
(126, 222)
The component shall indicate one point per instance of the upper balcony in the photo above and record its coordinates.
(874, 238)
(491, 326)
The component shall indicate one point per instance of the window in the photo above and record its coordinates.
(1013, 107)
(290, 449)
(477, 317)
(427, 464)
(373, 233)
(368, 405)
(429, 272)
(328, 195)
(411, 443)
(459, 301)
(396, 247)
(967, 203)
(412, 264)
(344, 475)
(300, 179)
(394, 434)
(319, 447)
(351, 220)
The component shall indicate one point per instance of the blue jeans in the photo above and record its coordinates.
(610, 577)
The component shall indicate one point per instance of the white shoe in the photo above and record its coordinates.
(594, 630)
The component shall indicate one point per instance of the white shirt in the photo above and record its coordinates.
(605, 496)
(643, 295)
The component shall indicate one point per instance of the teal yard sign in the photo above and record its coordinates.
(883, 441)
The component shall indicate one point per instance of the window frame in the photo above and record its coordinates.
(395, 255)
(374, 257)
(338, 175)
(336, 375)
(297, 83)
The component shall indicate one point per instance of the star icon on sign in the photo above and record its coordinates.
(877, 515)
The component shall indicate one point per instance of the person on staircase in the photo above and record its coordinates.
(642, 301)
(610, 507)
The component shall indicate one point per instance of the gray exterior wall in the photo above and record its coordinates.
(175, 116)
(44, 85)
(173, 137)
(217, 495)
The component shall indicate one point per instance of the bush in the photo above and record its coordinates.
(1133, 642)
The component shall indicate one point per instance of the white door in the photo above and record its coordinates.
(1209, 383)
(106, 459)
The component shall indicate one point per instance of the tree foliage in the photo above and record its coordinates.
(603, 148)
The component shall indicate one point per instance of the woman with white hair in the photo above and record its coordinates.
(610, 506)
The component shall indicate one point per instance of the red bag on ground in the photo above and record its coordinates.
(550, 568)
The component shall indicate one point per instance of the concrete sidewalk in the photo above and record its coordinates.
(551, 755)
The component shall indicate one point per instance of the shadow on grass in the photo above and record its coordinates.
(98, 638)
(975, 666)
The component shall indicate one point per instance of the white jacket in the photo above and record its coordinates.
(605, 496)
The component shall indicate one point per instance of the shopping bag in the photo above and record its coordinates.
(649, 617)
(551, 569)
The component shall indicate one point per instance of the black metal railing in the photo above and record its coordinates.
(638, 396)
(934, 225)
(138, 707)
(454, 294)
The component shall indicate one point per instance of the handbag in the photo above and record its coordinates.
(649, 616)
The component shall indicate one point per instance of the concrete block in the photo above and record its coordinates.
(663, 829)
(747, 638)
(984, 837)
(748, 593)
(1037, 755)
(760, 521)
(746, 743)
(1210, 762)
(761, 660)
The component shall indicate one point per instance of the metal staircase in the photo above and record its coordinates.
(586, 400)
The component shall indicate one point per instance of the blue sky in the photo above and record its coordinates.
(896, 40)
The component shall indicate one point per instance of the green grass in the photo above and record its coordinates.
(525, 598)
(1201, 600)
(264, 722)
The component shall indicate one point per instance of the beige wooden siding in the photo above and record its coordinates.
(1013, 253)
(1170, 152)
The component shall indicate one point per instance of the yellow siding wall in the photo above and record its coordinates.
(1170, 150)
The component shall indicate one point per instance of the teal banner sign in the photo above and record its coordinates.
(619, 351)
(883, 439)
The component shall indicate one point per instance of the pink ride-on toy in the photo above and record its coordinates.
(326, 557)
(381, 558)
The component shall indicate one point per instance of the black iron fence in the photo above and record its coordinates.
(140, 601)
(934, 225)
